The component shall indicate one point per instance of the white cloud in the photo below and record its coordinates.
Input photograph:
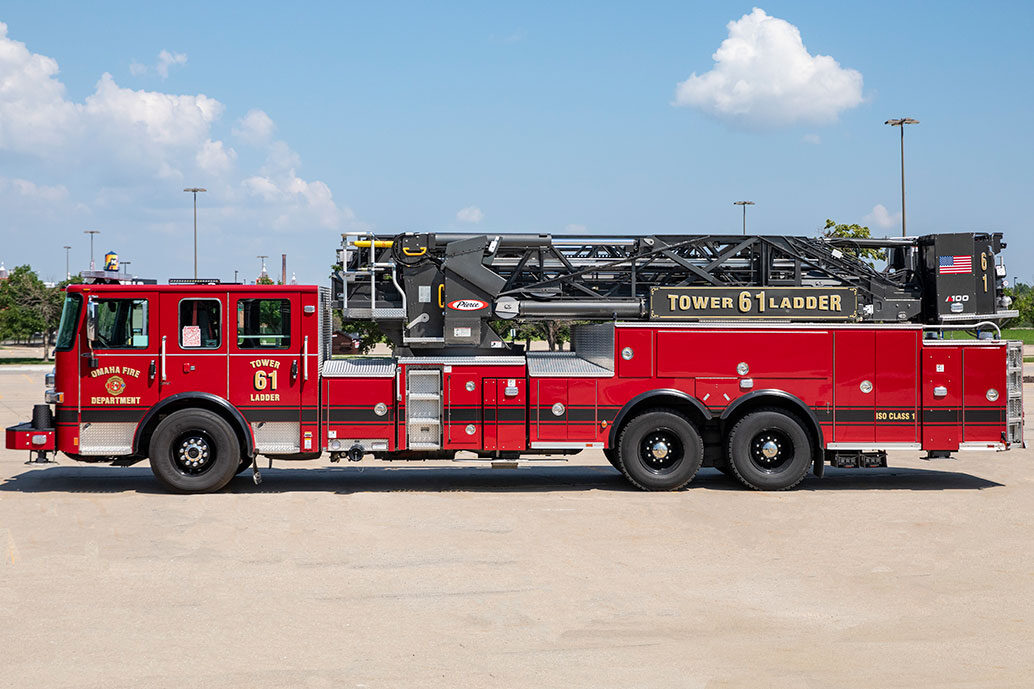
(215, 159)
(161, 67)
(763, 76)
(35, 192)
(471, 214)
(255, 128)
(881, 217)
(125, 154)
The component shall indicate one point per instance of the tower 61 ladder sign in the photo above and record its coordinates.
(764, 357)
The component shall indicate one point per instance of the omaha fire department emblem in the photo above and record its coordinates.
(115, 385)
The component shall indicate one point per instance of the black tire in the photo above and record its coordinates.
(669, 432)
(244, 465)
(770, 431)
(194, 451)
(727, 470)
(612, 456)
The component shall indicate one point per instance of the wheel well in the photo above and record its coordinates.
(781, 403)
(150, 423)
(668, 399)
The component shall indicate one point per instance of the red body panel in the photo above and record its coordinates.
(865, 386)
(897, 386)
(854, 369)
(942, 397)
(349, 411)
(983, 419)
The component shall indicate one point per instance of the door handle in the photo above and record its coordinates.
(294, 369)
(162, 357)
(151, 371)
(305, 358)
(940, 391)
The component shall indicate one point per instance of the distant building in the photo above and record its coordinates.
(3, 272)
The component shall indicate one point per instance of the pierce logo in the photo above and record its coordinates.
(467, 305)
(115, 385)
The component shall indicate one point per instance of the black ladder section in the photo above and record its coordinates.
(434, 291)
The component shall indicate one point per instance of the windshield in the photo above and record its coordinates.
(69, 321)
(121, 324)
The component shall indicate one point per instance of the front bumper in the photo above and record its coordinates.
(25, 437)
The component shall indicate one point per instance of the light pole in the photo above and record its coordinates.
(125, 268)
(901, 122)
(744, 204)
(68, 274)
(91, 233)
(195, 190)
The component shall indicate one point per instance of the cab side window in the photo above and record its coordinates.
(121, 324)
(264, 323)
(200, 326)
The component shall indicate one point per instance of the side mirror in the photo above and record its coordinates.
(91, 321)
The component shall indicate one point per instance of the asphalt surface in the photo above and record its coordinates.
(560, 575)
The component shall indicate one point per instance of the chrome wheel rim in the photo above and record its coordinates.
(661, 451)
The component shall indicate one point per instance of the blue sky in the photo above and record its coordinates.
(532, 117)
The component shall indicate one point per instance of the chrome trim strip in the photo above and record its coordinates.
(565, 445)
(975, 446)
(873, 447)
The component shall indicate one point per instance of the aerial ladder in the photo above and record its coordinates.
(443, 292)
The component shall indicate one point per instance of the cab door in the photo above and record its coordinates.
(266, 368)
(193, 342)
(118, 370)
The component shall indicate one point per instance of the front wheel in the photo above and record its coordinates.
(660, 450)
(194, 451)
(770, 450)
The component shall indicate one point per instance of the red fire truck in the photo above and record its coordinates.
(762, 356)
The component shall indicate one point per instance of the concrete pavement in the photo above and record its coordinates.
(442, 575)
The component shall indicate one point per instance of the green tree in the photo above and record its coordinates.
(27, 307)
(366, 333)
(853, 231)
(1024, 303)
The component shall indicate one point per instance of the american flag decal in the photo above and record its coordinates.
(955, 264)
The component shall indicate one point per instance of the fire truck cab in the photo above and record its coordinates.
(188, 375)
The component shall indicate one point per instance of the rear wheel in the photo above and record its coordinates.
(660, 450)
(770, 450)
(194, 451)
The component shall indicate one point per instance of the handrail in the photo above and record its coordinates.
(963, 326)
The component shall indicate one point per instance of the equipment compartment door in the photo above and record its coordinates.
(267, 370)
(854, 369)
(550, 409)
(897, 386)
(942, 397)
(463, 409)
(506, 425)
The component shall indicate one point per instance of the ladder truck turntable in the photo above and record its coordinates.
(762, 356)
